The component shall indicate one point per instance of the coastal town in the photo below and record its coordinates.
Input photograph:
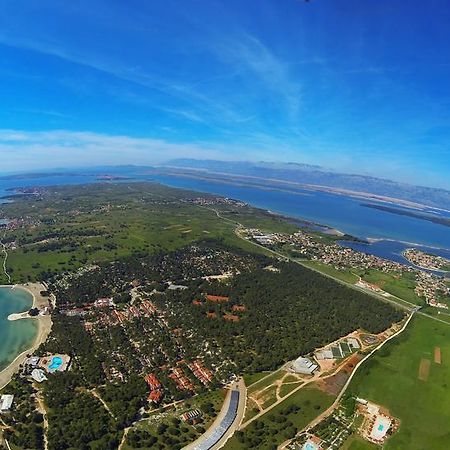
(426, 260)
(434, 289)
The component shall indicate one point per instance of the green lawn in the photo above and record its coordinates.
(251, 378)
(269, 396)
(287, 388)
(358, 443)
(391, 379)
(266, 381)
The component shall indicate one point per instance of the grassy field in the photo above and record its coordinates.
(399, 286)
(77, 225)
(267, 222)
(287, 388)
(345, 275)
(391, 379)
(402, 287)
(263, 383)
(278, 425)
(358, 443)
(251, 378)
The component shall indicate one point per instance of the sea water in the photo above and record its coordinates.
(18, 335)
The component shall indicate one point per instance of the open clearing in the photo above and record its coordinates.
(390, 379)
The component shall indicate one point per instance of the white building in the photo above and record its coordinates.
(177, 287)
(324, 354)
(6, 402)
(38, 375)
(304, 366)
(352, 342)
(33, 361)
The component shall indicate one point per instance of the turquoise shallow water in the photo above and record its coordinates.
(15, 336)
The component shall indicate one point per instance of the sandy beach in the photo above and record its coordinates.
(44, 328)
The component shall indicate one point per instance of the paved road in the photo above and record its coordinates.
(239, 386)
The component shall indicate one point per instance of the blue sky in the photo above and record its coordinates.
(355, 85)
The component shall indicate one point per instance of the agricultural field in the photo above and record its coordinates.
(400, 286)
(410, 377)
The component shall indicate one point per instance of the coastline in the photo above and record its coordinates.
(428, 268)
(208, 175)
(44, 327)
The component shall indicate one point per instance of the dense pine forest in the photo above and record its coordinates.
(289, 311)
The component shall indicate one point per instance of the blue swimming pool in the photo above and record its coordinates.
(380, 427)
(309, 446)
(56, 363)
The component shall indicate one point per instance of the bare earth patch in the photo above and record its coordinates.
(424, 369)
(437, 355)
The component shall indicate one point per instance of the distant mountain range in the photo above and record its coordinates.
(284, 176)
(304, 174)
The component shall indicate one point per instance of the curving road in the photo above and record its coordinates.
(226, 423)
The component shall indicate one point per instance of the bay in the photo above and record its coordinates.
(18, 335)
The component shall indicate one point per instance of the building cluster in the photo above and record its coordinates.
(203, 374)
(15, 224)
(156, 390)
(333, 254)
(422, 259)
(106, 312)
(38, 367)
(182, 381)
(304, 366)
(432, 288)
(378, 424)
(212, 201)
(429, 286)
(341, 349)
(198, 370)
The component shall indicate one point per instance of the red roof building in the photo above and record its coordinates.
(216, 298)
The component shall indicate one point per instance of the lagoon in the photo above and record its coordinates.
(347, 214)
(19, 335)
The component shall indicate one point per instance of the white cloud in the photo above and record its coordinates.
(29, 150)
(247, 51)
